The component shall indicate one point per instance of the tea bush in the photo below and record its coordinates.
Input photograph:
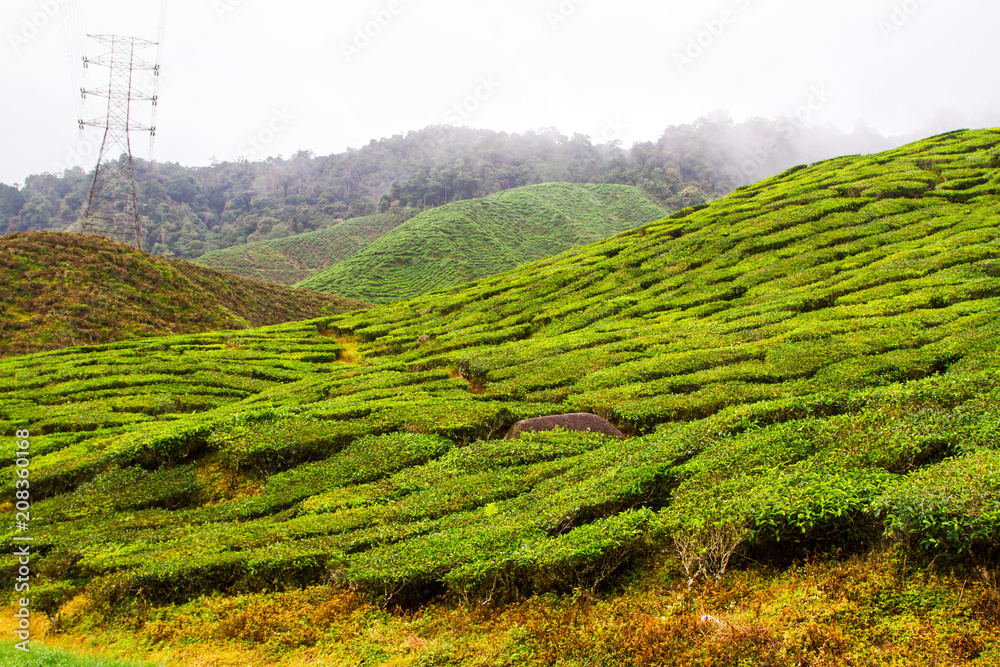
(951, 508)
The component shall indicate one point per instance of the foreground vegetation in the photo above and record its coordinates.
(807, 370)
(870, 612)
(457, 243)
(43, 655)
(59, 289)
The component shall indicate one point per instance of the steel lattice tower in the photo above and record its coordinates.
(113, 204)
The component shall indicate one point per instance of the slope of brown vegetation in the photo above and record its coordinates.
(59, 289)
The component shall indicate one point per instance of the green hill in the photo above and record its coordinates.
(59, 289)
(460, 242)
(289, 260)
(807, 370)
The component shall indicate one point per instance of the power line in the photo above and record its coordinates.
(113, 203)
(156, 89)
(74, 32)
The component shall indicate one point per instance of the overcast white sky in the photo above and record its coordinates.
(296, 75)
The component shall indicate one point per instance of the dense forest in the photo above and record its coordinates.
(194, 210)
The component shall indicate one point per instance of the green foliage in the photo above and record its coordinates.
(585, 556)
(805, 367)
(298, 257)
(821, 508)
(168, 488)
(465, 241)
(195, 211)
(951, 508)
(45, 656)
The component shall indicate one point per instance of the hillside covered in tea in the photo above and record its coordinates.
(294, 258)
(464, 241)
(807, 371)
(60, 289)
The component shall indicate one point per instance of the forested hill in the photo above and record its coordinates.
(195, 210)
(468, 240)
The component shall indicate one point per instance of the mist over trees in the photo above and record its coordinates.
(194, 210)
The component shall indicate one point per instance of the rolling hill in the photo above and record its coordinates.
(468, 240)
(806, 370)
(59, 289)
(287, 261)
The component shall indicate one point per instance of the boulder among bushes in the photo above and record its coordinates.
(577, 421)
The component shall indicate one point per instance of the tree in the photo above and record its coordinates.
(11, 201)
(182, 188)
(38, 212)
(360, 207)
(428, 167)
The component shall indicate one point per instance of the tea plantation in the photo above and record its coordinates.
(807, 371)
(289, 260)
(467, 240)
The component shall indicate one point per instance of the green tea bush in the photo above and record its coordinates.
(268, 446)
(528, 448)
(583, 557)
(365, 460)
(950, 509)
(817, 508)
(414, 566)
(121, 489)
(800, 367)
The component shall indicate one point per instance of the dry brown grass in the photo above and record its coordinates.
(822, 614)
(59, 289)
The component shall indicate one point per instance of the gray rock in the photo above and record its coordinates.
(577, 421)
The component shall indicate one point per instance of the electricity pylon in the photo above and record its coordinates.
(113, 204)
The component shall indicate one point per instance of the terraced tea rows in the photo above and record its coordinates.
(806, 366)
(289, 260)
